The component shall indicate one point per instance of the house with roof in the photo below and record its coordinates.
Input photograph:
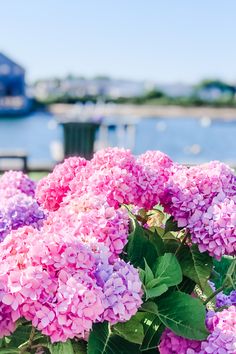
(13, 99)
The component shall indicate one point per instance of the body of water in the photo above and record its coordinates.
(187, 140)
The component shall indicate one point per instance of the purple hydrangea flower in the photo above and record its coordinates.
(17, 211)
(122, 290)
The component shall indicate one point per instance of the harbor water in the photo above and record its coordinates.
(186, 140)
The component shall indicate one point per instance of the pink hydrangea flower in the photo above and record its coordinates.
(52, 189)
(115, 174)
(173, 344)
(202, 198)
(222, 339)
(214, 230)
(49, 277)
(91, 217)
(157, 169)
(48, 280)
(7, 323)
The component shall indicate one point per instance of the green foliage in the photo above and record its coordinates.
(26, 340)
(166, 272)
(220, 270)
(181, 313)
(20, 336)
(155, 96)
(196, 266)
(153, 329)
(171, 225)
(103, 341)
(139, 247)
(132, 330)
(62, 348)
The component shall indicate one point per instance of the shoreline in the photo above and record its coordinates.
(143, 111)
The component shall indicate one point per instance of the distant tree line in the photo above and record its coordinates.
(213, 93)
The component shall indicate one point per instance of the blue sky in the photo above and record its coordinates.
(159, 40)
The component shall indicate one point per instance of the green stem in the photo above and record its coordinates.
(214, 294)
(30, 341)
(182, 244)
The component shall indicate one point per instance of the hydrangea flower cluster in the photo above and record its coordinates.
(18, 206)
(221, 340)
(112, 173)
(123, 179)
(121, 286)
(202, 198)
(50, 277)
(64, 273)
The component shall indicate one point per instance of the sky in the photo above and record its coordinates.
(157, 40)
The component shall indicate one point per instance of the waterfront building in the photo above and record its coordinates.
(13, 99)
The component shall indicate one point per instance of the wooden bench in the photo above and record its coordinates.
(15, 155)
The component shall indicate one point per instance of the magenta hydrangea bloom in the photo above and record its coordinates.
(173, 344)
(52, 189)
(13, 182)
(7, 324)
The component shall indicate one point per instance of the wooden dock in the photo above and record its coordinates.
(147, 111)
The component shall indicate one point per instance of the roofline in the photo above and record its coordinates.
(12, 61)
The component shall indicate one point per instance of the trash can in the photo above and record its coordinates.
(79, 138)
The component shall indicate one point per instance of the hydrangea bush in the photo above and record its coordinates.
(119, 254)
